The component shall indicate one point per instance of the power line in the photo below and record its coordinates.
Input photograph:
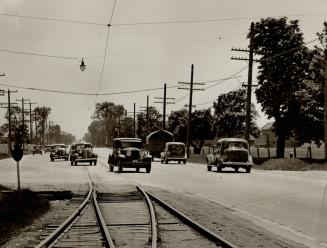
(159, 22)
(52, 19)
(105, 50)
(39, 54)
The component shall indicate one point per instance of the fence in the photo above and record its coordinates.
(312, 152)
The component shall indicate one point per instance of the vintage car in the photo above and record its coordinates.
(47, 148)
(58, 151)
(129, 153)
(231, 152)
(174, 151)
(83, 153)
(37, 149)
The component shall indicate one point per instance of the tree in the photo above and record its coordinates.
(42, 115)
(282, 70)
(177, 124)
(154, 122)
(201, 127)
(229, 115)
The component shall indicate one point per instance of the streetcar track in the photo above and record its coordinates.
(130, 217)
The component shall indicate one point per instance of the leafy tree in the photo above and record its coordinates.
(154, 122)
(230, 115)
(282, 70)
(177, 124)
(42, 114)
(201, 127)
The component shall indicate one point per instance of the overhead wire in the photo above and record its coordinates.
(159, 22)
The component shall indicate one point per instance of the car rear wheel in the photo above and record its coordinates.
(52, 159)
(137, 169)
(184, 161)
(95, 162)
(209, 168)
(71, 163)
(218, 168)
(236, 169)
(179, 161)
(166, 161)
(148, 169)
(75, 162)
(248, 169)
(90, 162)
(120, 167)
(111, 168)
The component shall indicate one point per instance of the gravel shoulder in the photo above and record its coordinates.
(224, 221)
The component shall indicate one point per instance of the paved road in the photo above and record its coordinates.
(290, 204)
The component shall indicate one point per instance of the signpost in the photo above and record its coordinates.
(17, 154)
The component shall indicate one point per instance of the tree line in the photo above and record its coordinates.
(290, 90)
(42, 132)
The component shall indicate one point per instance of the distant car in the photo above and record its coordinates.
(174, 151)
(59, 151)
(37, 149)
(47, 148)
(83, 153)
(129, 153)
(231, 152)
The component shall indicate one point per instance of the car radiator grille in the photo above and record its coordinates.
(135, 155)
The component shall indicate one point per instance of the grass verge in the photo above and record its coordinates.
(17, 210)
(287, 164)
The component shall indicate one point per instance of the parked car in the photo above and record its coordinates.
(58, 151)
(83, 153)
(37, 149)
(231, 152)
(174, 151)
(129, 153)
(47, 148)
(155, 142)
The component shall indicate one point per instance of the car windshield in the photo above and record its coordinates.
(56, 147)
(126, 144)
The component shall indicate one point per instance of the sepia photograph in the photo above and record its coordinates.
(163, 123)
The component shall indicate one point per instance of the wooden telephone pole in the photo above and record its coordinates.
(191, 89)
(249, 84)
(164, 102)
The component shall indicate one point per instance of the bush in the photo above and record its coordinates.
(18, 209)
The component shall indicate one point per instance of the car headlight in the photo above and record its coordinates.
(128, 153)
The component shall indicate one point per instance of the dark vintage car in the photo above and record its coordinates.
(47, 148)
(37, 149)
(83, 153)
(174, 151)
(129, 153)
(58, 151)
(231, 152)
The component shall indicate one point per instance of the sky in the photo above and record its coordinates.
(141, 52)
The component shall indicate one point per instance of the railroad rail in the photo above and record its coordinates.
(87, 231)
(205, 232)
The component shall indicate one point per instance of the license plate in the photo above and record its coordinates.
(135, 161)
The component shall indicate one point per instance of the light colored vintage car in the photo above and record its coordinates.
(174, 151)
(231, 152)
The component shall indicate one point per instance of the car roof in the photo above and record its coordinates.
(127, 139)
(232, 140)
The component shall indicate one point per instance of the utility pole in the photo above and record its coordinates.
(23, 115)
(35, 117)
(249, 84)
(8, 106)
(191, 89)
(31, 126)
(146, 109)
(164, 101)
(134, 120)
